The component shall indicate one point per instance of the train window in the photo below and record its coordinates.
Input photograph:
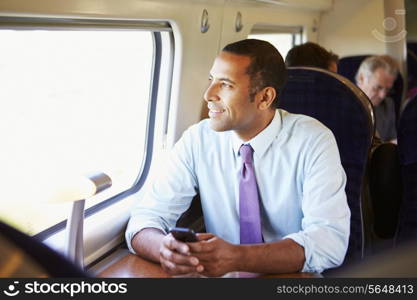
(283, 38)
(73, 102)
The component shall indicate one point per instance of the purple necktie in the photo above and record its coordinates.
(250, 218)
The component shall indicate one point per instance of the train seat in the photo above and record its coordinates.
(407, 146)
(349, 65)
(347, 112)
(24, 256)
(412, 72)
(412, 46)
(385, 189)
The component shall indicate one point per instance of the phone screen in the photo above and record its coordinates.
(184, 234)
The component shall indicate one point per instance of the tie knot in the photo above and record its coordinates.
(246, 152)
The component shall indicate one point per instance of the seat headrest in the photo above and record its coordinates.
(412, 46)
(407, 133)
(412, 68)
(336, 102)
(349, 65)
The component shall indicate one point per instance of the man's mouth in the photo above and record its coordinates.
(215, 112)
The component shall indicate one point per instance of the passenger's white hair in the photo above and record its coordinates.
(372, 63)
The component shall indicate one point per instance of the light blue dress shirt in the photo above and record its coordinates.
(300, 178)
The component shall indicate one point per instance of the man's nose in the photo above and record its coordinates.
(211, 93)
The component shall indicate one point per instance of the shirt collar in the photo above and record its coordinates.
(262, 140)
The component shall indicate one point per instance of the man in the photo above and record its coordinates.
(311, 55)
(375, 77)
(296, 219)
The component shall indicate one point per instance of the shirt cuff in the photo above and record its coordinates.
(135, 225)
(304, 242)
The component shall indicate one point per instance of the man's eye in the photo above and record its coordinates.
(226, 85)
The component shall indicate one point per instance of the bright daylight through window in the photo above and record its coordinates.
(282, 41)
(73, 102)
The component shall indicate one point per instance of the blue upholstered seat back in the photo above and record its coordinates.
(412, 46)
(347, 112)
(407, 146)
(385, 189)
(348, 66)
(412, 68)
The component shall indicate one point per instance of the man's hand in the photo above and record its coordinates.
(217, 256)
(175, 257)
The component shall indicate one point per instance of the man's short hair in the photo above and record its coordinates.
(372, 63)
(310, 55)
(267, 66)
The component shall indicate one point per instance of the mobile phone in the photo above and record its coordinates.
(185, 235)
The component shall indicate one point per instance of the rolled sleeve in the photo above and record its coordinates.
(135, 225)
(321, 252)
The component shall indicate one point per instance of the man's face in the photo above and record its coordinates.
(377, 85)
(229, 103)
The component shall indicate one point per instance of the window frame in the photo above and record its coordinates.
(33, 23)
(277, 29)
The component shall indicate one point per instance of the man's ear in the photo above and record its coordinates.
(265, 97)
(361, 79)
